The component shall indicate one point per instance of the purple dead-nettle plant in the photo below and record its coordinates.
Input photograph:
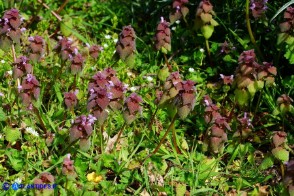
(21, 67)
(267, 73)
(98, 103)
(258, 8)
(227, 79)
(82, 129)
(244, 127)
(98, 80)
(66, 49)
(179, 10)
(211, 111)
(163, 36)
(132, 107)
(218, 134)
(287, 26)
(126, 45)
(227, 47)
(44, 178)
(68, 168)
(95, 50)
(279, 138)
(30, 89)
(185, 99)
(10, 25)
(77, 63)
(117, 95)
(171, 87)
(110, 75)
(70, 99)
(37, 47)
(285, 104)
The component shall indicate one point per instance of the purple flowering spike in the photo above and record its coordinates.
(21, 67)
(10, 25)
(258, 8)
(70, 99)
(179, 10)
(68, 167)
(132, 107)
(30, 89)
(162, 37)
(126, 45)
(77, 63)
(94, 51)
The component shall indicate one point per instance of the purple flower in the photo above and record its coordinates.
(258, 8)
(82, 127)
(68, 167)
(179, 10)
(126, 45)
(132, 107)
(21, 67)
(10, 25)
(70, 99)
(77, 63)
(95, 50)
(162, 37)
(30, 89)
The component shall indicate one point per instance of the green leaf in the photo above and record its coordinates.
(207, 31)
(11, 135)
(180, 189)
(282, 9)
(2, 115)
(59, 96)
(15, 159)
(66, 26)
(281, 154)
(267, 163)
(282, 37)
(242, 96)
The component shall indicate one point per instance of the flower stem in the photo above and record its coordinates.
(175, 140)
(250, 30)
(119, 133)
(163, 138)
(208, 50)
(40, 119)
(152, 118)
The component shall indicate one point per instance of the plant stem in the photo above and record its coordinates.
(166, 62)
(250, 30)
(62, 6)
(40, 119)
(163, 138)
(119, 133)
(68, 146)
(208, 51)
(152, 118)
(175, 140)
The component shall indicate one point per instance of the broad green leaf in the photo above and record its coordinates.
(281, 154)
(11, 134)
(2, 115)
(267, 163)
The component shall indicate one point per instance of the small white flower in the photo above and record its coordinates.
(18, 180)
(173, 28)
(107, 36)
(191, 70)
(1, 94)
(88, 45)
(23, 29)
(2, 61)
(178, 21)
(129, 74)
(133, 89)
(115, 40)
(149, 78)
(201, 50)
(1, 136)
(32, 131)
(105, 45)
